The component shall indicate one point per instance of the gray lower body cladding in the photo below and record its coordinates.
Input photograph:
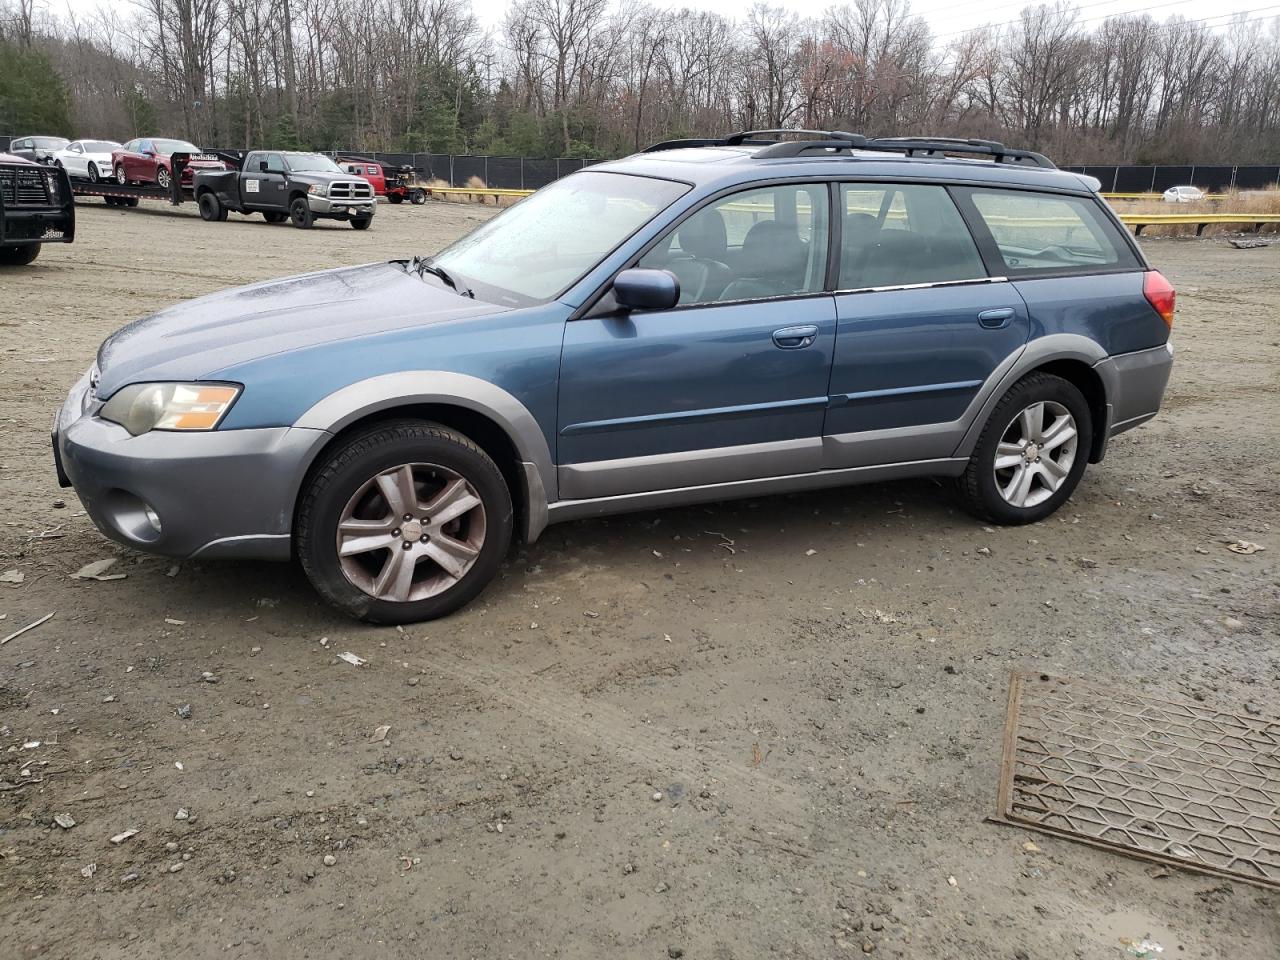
(231, 494)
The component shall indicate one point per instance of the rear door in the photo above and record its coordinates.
(1070, 261)
(922, 325)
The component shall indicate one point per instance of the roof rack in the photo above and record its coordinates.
(834, 141)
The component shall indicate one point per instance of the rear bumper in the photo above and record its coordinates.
(1135, 385)
(227, 493)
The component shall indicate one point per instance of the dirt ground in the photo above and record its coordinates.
(814, 685)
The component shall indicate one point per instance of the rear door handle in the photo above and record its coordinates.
(795, 338)
(997, 318)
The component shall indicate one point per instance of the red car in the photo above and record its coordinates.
(368, 170)
(150, 160)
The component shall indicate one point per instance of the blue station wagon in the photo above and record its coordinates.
(766, 312)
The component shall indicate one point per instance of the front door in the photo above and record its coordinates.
(729, 385)
(272, 192)
(922, 326)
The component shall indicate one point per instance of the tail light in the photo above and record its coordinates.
(1160, 294)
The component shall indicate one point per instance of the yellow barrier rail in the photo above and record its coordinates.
(1201, 220)
(1139, 221)
(474, 192)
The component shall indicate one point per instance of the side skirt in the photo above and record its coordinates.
(658, 499)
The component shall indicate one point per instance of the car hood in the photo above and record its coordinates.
(191, 340)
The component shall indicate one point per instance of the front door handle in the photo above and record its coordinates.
(997, 318)
(794, 338)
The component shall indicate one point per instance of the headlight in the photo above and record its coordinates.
(319, 189)
(142, 407)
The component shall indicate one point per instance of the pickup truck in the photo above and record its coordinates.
(302, 187)
(36, 207)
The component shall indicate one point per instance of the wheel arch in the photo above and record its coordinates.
(485, 413)
(1073, 357)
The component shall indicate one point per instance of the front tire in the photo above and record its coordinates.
(19, 255)
(122, 178)
(162, 178)
(94, 176)
(300, 213)
(361, 223)
(405, 521)
(1031, 454)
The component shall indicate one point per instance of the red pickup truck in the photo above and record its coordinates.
(394, 186)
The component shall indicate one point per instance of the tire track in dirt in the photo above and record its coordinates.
(602, 723)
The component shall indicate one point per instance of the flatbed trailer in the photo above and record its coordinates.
(128, 195)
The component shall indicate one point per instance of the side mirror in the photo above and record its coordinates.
(262, 165)
(641, 289)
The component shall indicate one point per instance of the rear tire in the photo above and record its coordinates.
(211, 209)
(346, 487)
(395, 198)
(19, 256)
(274, 216)
(1031, 454)
(300, 213)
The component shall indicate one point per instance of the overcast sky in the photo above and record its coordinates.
(944, 16)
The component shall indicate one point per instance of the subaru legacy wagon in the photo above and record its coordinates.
(768, 312)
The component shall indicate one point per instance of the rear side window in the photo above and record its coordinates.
(901, 234)
(1050, 233)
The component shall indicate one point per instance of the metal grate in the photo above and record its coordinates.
(1179, 783)
(350, 190)
(23, 187)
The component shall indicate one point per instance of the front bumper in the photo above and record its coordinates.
(224, 493)
(327, 207)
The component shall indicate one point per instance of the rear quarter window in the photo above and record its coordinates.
(1043, 233)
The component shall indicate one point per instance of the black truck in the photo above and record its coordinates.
(300, 187)
(36, 207)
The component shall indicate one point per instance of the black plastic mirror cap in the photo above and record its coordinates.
(643, 289)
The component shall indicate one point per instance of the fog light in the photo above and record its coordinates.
(132, 516)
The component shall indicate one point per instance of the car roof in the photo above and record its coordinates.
(722, 166)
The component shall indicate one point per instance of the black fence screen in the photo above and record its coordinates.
(1211, 178)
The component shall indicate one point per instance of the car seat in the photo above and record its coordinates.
(772, 263)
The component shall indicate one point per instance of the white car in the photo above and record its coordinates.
(1184, 195)
(87, 159)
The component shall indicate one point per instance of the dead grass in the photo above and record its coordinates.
(1233, 201)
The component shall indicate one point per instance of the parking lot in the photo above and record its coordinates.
(768, 728)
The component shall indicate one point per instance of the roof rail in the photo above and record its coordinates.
(838, 140)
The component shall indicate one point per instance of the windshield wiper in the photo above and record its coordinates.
(424, 265)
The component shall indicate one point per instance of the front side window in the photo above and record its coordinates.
(1050, 233)
(901, 234)
(275, 163)
(545, 243)
(762, 243)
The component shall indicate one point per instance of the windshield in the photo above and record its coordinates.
(175, 146)
(312, 162)
(98, 146)
(545, 243)
(50, 143)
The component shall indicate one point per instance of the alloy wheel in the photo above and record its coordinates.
(162, 178)
(411, 532)
(1035, 454)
